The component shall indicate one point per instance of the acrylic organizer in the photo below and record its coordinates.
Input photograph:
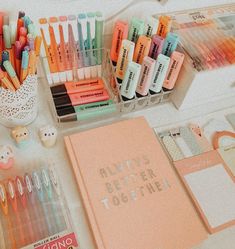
(113, 107)
(197, 84)
(19, 107)
(34, 214)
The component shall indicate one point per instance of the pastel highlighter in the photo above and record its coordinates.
(164, 26)
(120, 33)
(176, 63)
(156, 46)
(146, 75)
(136, 29)
(142, 49)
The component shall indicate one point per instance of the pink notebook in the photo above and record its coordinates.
(131, 193)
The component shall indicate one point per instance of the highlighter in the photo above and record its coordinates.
(11, 72)
(156, 46)
(142, 48)
(136, 29)
(86, 111)
(7, 43)
(164, 26)
(146, 74)
(5, 81)
(18, 50)
(99, 32)
(47, 51)
(125, 56)
(55, 45)
(24, 66)
(151, 26)
(176, 63)
(170, 44)
(81, 98)
(120, 33)
(77, 87)
(159, 75)
(130, 80)
(91, 42)
(64, 46)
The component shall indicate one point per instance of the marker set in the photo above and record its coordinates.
(19, 50)
(32, 211)
(72, 47)
(145, 57)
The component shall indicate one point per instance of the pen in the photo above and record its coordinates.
(1, 34)
(27, 21)
(12, 27)
(24, 65)
(5, 81)
(10, 70)
(30, 42)
(22, 40)
(37, 44)
(7, 43)
(20, 23)
(5, 210)
(18, 50)
(23, 31)
(32, 30)
(32, 63)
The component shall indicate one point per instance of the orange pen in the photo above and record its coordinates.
(32, 63)
(49, 52)
(5, 211)
(13, 200)
(5, 81)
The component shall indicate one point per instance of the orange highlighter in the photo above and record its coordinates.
(24, 65)
(49, 53)
(10, 70)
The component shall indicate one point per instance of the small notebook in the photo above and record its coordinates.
(131, 193)
(212, 188)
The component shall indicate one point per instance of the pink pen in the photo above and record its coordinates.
(156, 46)
(18, 51)
(23, 31)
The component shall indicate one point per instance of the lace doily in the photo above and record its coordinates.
(20, 107)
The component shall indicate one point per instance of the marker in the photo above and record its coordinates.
(75, 49)
(156, 46)
(151, 26)
(55, 45)
(7, 42)
(130, 80)
(164, 26)
(159, 74)
(120, 33)
(48, 52)
(64, 47)
(146, 75)
(32, 30)
(136, 29)
(81, 98)
(18, 50)
(77, 87)
(99, 32)
(5, 81)
(27, 21)
(32, 63)
(11, 72)
(13, 200)
(5, 211)
(170, 44)
(23, 200)
(142, 49)
(12, 27)
(86, 111)
(125, 56)
(176, 63)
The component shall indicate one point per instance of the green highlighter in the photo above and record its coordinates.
(99, 32)
(136, 29)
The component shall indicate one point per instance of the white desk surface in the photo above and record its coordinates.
(157, 116)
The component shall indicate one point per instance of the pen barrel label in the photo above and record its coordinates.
(130, 78)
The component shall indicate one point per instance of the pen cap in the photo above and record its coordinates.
(58, 90)
(12, 26)
(62, 101)
(32, 29)
(7, 36)
(5, 57)
(136, 29)
(53, 21)
(21, 14)
(151, 26)
(18, 49)
(6, 20)
(64, 24)
(10, 70)
(27, 21)
(25, 60)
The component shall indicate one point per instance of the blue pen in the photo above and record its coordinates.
(42, 200)
(84, 42)
(170, 44)
(47, 185)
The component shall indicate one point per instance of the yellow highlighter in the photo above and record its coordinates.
(32, 62)
(24, 65)
(10, 70)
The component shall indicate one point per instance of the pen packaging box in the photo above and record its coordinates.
(34, 213)
(207, 37)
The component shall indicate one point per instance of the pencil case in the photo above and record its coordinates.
(19, 107)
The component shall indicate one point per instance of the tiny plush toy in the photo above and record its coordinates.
(6, 157)
(21, 136)
(48, 135)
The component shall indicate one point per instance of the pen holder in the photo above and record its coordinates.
(20, 107)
